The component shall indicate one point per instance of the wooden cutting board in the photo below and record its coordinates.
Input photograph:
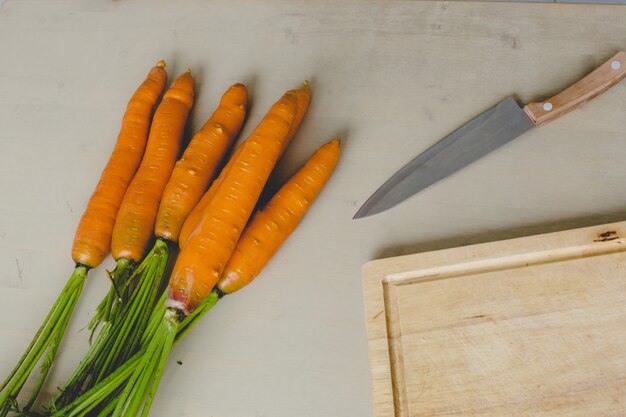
(527, 327)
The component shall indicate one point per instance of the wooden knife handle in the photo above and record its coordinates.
(594, 84)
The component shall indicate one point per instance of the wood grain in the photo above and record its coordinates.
(594, 84)
(532, 326)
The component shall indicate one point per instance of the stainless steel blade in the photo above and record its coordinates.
(481, 135)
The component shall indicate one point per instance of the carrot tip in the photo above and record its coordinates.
(188, 70)
(306, 84)
(161, 64)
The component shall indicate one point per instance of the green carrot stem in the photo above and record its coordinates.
(140, 375)
(54, 347)
(110, 305)
(102, 313)
(143, 311)
(129, 400)
(71, 388)
(119, 338)
(122, 329)
(93, 397)
(190, 321)
(172, 327)
(32, 342)
(140, 306)
(155, 320)
(108, 409)
(47, 339)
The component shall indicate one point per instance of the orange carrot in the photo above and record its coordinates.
(199, 162)
(259, 241)
(189, 179)
(136, 217)
(271, 226)
(191, 291)
(202, 260)
(303, 98)
(92, 241)
(135, 221)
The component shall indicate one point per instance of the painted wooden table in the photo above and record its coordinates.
(389, 78)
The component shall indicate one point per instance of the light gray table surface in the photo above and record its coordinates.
(389, 78)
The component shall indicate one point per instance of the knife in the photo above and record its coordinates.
(481, 135)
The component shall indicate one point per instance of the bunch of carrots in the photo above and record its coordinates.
(145, 197)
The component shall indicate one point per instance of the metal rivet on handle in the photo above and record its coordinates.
(616, 65)
(547, 106)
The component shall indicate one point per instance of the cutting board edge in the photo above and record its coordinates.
(405, 263)
(377, 274)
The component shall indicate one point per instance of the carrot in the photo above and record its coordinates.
(196, 168)
(188, 181)
(303, 98)
(136, 217)
(200, 263)
(92, 241)
(259, 241)
(135, 220)
(92, 238)
(271, 226)
(210, 245)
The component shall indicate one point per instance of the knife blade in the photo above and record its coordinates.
(487, 132)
